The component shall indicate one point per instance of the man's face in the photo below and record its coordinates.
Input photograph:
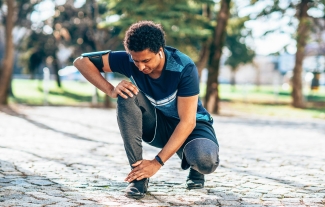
(147, 61)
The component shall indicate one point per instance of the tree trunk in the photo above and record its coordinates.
(257, 77)
(302, 34)
(204, 56)
(233, 79)
(7, 67)
(212, 93)
(107, 102)
(56, 70)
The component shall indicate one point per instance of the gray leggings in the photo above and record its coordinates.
(139, 120)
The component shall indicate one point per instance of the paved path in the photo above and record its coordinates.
(66, 156)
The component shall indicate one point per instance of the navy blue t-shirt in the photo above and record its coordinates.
(179, 77)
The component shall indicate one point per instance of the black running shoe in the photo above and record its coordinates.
(195, 180)
(137, 188)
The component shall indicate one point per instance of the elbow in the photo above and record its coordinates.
(77, 62)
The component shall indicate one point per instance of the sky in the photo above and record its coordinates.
(262, 44)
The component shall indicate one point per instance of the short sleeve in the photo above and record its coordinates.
(119, 62)
(189, 83)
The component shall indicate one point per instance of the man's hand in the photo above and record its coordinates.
(143, 169)
(125, 89)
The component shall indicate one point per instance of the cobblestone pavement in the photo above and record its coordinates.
(69, 156)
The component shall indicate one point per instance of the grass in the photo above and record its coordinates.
(269, 101)
(71, 93)
(244, 99)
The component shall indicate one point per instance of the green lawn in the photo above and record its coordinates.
(264, 94)
(245, 99)
(71, 93)
(270, 101)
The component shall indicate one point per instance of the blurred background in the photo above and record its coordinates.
(258, 57)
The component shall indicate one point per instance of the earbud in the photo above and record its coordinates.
(160, 54)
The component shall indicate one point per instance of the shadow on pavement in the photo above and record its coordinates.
(12, 112)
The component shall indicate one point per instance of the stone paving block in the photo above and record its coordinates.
(55, 193)
(22, 204)
(81, 201)
(269, 199)
(271, 195)
(177, 200)
(5, 180)
(294, 195)
(202, 205)
(65, 204)
(229, 203)
(157, 193)
(293, 200)
(281, 191)
(41, 182)
(250, 185)
(13, 189)
(156, 204)
(3, 204)
(252, 195)
(272, 203)
(294, 205)
(252, 205)
(207, 202)
(250, 201)
(313, 201)
(317, 195)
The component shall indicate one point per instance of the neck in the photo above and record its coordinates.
(156, 73)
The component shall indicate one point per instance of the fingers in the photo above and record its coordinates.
(126, 89)
(143, 169)
(138, 175)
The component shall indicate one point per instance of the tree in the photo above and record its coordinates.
(301, 36)
(240, 52)
(212, 92)
(182, 20)
(205, 45)
(70, 28)
(7, 64)
(14, 16)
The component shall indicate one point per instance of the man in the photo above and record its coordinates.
(159, 106)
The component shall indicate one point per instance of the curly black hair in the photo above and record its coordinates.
(144, 35)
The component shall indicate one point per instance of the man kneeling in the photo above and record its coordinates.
(160, 105)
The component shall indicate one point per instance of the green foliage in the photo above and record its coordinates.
(240, 53)
(182, 20)
(235, 42)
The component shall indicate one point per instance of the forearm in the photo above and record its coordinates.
(91, 73)
(177, 139)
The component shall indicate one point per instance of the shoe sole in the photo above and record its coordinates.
(135, 196)
(189, 187)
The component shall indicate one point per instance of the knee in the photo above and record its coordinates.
(207, 163)
(124, 102)
(202, 155)
(127, 107)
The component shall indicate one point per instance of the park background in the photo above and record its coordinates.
(263, 84)
(246, 51)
